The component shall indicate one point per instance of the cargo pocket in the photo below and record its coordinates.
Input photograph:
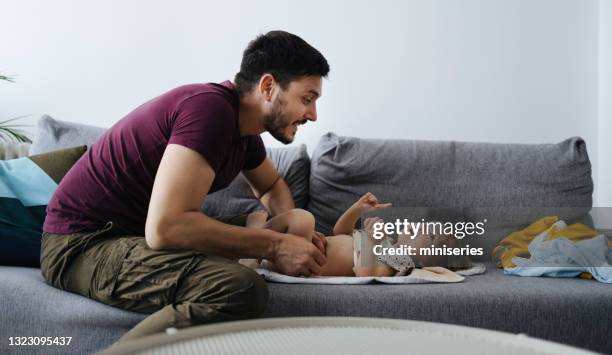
(146, 280)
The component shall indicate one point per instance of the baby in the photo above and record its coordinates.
(345, 256)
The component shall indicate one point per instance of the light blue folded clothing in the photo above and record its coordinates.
(564, 258)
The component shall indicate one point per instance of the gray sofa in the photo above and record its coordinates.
(508, 183)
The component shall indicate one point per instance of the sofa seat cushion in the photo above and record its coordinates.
(570, 311)
(30, 307)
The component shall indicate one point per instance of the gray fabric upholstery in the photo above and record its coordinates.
(52, 134)
(292, 163)
(30, 307)
(412, 173)
(408, 173)
(571, 311)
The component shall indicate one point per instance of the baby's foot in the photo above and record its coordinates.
(252, 263)
(267, 264)
(257, 219)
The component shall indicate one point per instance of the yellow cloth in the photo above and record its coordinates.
(516, 243)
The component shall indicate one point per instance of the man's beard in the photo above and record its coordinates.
(276, 122)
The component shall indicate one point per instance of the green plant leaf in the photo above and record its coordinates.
(12, 135)
(7, 78)
(2, 123)
(8, 132)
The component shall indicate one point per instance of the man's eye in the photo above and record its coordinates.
(306, 101)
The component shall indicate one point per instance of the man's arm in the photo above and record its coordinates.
(270, 188)
(273, 192)
(174, 220)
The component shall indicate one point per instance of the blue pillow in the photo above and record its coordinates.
(26, 186)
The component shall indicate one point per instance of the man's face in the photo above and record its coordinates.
(293, 107)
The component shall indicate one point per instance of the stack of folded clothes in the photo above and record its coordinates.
(549, 247)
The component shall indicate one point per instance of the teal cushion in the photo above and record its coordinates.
(26, 186)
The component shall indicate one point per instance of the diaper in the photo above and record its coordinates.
(363, 255)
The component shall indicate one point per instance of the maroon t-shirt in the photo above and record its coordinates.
(114, 179)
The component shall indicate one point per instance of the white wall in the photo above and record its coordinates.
(475, 70)
(605, 104)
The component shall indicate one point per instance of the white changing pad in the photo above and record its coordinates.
(417, 276)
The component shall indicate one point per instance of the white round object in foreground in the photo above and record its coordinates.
(339, 335)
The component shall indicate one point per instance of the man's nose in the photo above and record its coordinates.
(311, 115)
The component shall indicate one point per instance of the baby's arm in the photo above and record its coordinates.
(346, 222)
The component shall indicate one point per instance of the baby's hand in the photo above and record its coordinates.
(369, 202)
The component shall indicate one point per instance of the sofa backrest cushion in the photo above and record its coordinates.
(52, 134)
(292, 163)
(26, 186)
(412, 173)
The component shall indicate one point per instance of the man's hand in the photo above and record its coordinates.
(318, 239)
(295, 256)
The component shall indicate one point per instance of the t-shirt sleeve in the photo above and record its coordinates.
(256, 153)
(204, 123)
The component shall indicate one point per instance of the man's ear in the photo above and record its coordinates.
(266, 86)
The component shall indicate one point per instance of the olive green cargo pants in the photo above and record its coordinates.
(180, 288)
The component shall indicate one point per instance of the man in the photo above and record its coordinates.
(124, 225)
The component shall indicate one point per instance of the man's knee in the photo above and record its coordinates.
(248, 292)
(232, 288)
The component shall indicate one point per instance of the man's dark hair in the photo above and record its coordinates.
(284, 55)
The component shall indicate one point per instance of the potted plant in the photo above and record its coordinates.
(9, 131)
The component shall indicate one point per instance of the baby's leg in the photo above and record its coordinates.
(255, 219)
(296, 221)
